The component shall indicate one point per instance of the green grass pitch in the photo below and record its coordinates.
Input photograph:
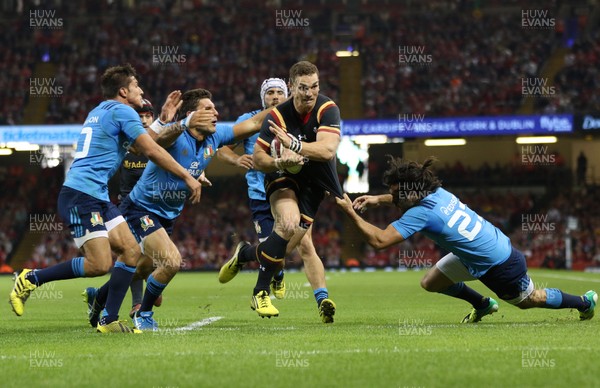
(388, 332)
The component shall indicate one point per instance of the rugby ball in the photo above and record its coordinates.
(277, 149)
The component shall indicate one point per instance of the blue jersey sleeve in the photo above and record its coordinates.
(411, 222)
(223, 135)
(128, 120)
(246, 116)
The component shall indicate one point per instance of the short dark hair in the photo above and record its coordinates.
(115, 78)
(302, 68)
(190, 101)
(410, 174)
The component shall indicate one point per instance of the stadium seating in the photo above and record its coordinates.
(489, 50)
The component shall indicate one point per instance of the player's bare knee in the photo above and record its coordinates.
(131, 254)
(287, 224)
(286, 230)
(171, 264)
(428, 285)
(95, 268)
(175, 263)
(144, 268)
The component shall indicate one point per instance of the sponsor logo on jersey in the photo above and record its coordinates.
(447, 210)
(134, 165)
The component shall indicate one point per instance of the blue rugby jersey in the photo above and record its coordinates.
(108, 131)
(453, 226)
(255, 178)
(163, 193)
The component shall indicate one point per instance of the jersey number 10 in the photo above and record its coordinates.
(87, 131)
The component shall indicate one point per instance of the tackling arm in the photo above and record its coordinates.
(250, 126)
(197, 119)
(375, 237)
(227, 155)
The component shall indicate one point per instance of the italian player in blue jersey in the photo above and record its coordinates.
(478, 250)
(158, 198)
(273, 91)
(83, 203)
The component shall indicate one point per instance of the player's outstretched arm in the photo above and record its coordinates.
(375, 237)
(364, 202)
(227, 155)
(163, 159)
(197, 119)
(250, 126)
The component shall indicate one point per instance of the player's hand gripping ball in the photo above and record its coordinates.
(278, 151)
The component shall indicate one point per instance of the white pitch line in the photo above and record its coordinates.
(204, 322)
(567, 277)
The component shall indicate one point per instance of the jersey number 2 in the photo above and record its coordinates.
(87, 131)
(462, 227)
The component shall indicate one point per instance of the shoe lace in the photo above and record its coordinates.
(263, 300)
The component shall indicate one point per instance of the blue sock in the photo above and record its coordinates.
(320, 294)
(153, 291)
(556, 299)
(66, 270)
(464, 292)
(118, 284)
